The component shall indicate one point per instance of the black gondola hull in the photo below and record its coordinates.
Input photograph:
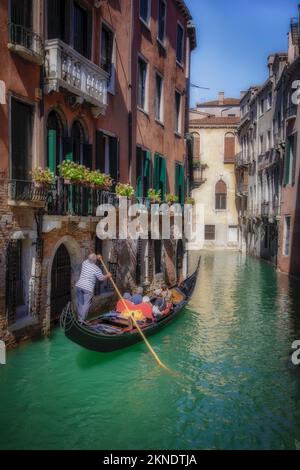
(94, 341)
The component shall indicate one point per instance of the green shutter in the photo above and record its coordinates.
(52, 150)
(181, 183)
(147, 172)
(139, 176)
(156, 172)
(163, 178)
(68, 148)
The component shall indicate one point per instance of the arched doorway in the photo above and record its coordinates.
(179, 260)
(60, 282)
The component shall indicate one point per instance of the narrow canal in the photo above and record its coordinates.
(236, 387)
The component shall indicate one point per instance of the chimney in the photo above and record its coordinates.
(221, 97)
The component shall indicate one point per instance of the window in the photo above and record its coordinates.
(221, 196)
(290, 160)
(179, 182)
(142, 83)
(262, 106)
(21, 23)
(177, 112)
(229, 148)
(162, 11)
(143, 172)
(269, 100)
(54, 142)
(158, 256)
(160, 175)
(107, 155)
(261, 144)
(107, 41)
(56, 23)
(179, 44)
(21, 139)
(287, 235)
(14, 280)
(145, 7)
(210, 232)
(159, 97)
(82, 30)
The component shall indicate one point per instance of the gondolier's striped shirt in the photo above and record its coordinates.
(89, 275)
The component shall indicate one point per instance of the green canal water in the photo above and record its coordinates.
(236, 387)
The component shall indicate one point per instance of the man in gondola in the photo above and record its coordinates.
(85, 287)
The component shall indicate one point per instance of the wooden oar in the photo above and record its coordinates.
(159, 362)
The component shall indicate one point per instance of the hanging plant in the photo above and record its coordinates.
(124, 190)
(154, 196)
(171, 199)
(42, 177)
(72, 172)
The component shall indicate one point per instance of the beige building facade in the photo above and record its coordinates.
(213, 129)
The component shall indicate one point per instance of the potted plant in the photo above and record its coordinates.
(42, 177)
(154, 196)
(107, 183)
(171, 199)
(124, 190)
(72, 172)
(190, 200)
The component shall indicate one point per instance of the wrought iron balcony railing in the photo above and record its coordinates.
(25, 42)
(27, 192)
(68, 70)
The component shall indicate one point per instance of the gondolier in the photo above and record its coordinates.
(85, 287)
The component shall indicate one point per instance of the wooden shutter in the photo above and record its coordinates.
(229, 149)
(139, 176)
(156, 171)
(100, 151)
(52, 151)
(163, 177)
(181, 184)
(196, 147)
(147, 173)
(114, 158)
(88, 155)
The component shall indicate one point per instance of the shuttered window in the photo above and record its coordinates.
(290, 160)
(221, 195)
(143, 172)
(21, 140)
(229, 148)
(54, 142)
(160, 175)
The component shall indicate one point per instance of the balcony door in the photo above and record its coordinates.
(107, 155)
(56, 19)
(21, 13)
(21, 140)
(54, 142)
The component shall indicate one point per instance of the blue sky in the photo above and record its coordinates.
(235, 38)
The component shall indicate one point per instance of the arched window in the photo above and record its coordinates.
(54, 141)
(229, 147)
(221, 195)
(81, 151)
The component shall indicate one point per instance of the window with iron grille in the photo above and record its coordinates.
(210, 232)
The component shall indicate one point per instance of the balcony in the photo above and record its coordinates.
(60, 198)
(25, 43)
(68, 70)
(26, 193)
(291, 112)
(198, 177)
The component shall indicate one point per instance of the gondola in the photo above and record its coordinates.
(86, 336)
